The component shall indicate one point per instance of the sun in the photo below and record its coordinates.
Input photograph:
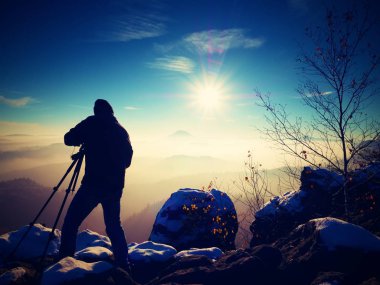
(208, 94)
(209, 97)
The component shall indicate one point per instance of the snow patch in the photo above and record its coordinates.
(149, 251)
(337, 233)
(290, 202)
(211, 252)
(89, 238)
(183, 196)
(69, 269)
(222, 200)
(33, 245)
(94, 252)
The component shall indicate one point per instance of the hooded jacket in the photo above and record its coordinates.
(108, 151)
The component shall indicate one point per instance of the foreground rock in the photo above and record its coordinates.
(94, 253)
(13, 276)
(88, 238)
(195, 218)
(33, 244)
(149, 258)
(320, 195)
(252, 266)
(69, 269)
(211, 253)
(148, 252)
(327, 250)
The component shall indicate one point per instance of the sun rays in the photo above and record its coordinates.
(208, 94)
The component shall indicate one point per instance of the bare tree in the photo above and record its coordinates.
(250, 192)
(369, 155)
(338, 84)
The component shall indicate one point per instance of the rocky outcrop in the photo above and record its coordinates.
(33, 244)
(69, 269)
(196, 218)
(305, 241)
(327, 250)
(321, 250)
(321, 195)
(255, 266)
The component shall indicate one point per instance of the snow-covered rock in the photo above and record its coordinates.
(88, 238)
(329, 245)
(94, 253)
(292, 202)
(321, 195)
(33, 245)
(69, 269)
(212, 252)
(149, 251)
(12, 276)
(336, 233)
(193, 218)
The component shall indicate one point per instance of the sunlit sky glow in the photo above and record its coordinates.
(163, 65)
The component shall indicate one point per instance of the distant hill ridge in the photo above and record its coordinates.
(20, 183)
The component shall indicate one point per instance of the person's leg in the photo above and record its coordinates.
(111, 211)
(80, 208)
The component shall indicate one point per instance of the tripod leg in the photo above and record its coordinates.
(80, 161)
(55, 189)
(73, 180)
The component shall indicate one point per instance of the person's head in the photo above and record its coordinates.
(102, 108)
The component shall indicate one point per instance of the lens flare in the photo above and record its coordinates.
(208, 94)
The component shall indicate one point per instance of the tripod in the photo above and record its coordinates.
(77, 162)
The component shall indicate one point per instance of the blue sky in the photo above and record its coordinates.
(147, 58)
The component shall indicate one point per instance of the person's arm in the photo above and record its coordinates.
(76, 135)
(128, 150)
(129, 154)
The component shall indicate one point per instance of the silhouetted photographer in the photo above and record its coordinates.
(108, 152)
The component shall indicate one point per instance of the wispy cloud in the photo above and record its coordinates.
(20, 102)
(173, 63)
(136, 20)
(219, 41)
(18, 135)
(319, 94)
(131, 108)
(138, 27)
(309, 95)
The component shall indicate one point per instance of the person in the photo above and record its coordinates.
(108, 152)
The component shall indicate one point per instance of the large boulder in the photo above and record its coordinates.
(33, 244)
(193, 218)
(329, 249)
(321, 195)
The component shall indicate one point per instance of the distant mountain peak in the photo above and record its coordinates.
(180, 134)
(20, 183)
